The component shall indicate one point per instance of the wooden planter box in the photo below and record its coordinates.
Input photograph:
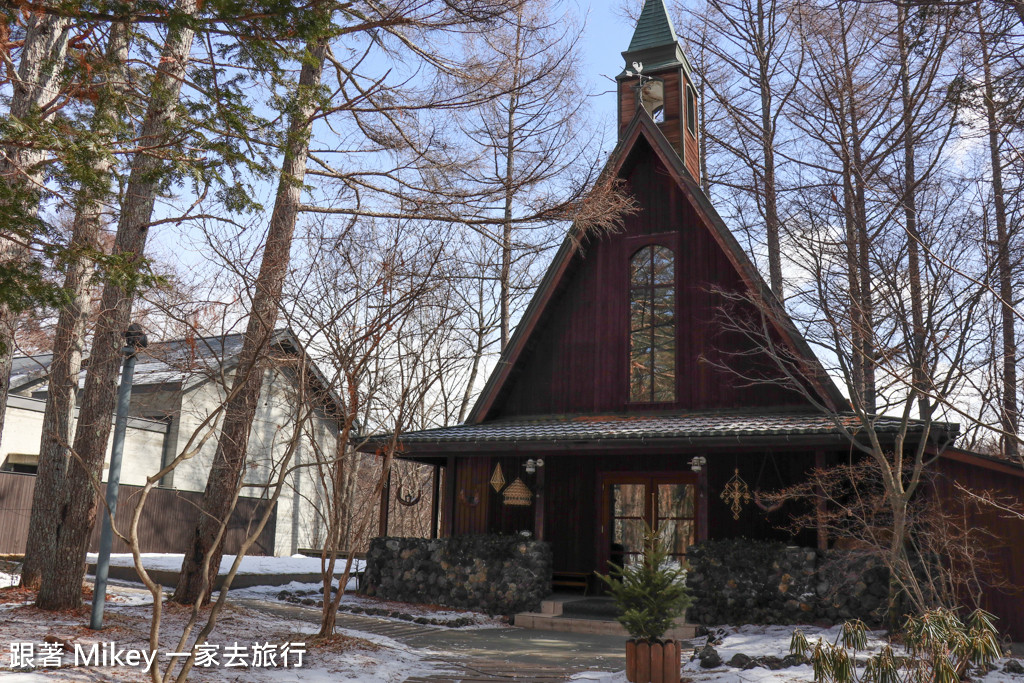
(654, 661)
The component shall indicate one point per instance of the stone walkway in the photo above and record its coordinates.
(476, 655)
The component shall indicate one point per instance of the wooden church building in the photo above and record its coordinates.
(621, 398)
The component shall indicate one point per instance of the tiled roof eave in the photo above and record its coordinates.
(468, 448)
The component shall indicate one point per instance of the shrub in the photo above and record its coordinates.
(939, 647)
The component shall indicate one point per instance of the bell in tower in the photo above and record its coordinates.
(657, 81)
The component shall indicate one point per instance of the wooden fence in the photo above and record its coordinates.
(166, 525)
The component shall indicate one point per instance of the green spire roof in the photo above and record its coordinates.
(654, 41)
(653, 28)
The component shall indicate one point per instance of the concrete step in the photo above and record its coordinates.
(546, 621)
(551, 607)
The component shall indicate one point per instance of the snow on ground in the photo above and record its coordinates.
(767, 641)
(251, 564)
(351, 656)
(478, 619)
(9, 579)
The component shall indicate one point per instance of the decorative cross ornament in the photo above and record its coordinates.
(736, 493)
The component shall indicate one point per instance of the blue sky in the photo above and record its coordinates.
(606, 36)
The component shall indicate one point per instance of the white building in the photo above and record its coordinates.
(177, 386)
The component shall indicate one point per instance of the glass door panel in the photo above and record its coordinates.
(634, 501)
(675, 513)
(628, 517)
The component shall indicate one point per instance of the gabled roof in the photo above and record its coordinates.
(643, 128)
(184, 362)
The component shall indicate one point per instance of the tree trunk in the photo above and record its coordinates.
(505, 278)
(1010, 413)
(859, 245)
(229, 460)
(918, 359)
(771, 210)
(42, 59)
(702, 144)
(853, 281)
(55, 443)
(62, 574)
(478, 354)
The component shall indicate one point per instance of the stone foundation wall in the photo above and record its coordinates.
(740, 581)
(497, 574)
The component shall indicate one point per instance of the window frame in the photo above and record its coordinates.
(637, 246)
(691, 110)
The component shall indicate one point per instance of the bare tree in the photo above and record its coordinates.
(272, 482)
(533, 166)
(750, 40)
(949, 560)
(370, 102)
(375, 312)
(994, 108)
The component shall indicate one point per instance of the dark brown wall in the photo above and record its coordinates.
(673, 124)
(1006, 550)
(471, 491)
(576, 358)
(166, 525)
(572, 497)
(627, 103)
(691, 150)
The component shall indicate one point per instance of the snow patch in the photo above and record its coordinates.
(251, 564)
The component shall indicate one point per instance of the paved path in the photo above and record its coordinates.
(495, 654)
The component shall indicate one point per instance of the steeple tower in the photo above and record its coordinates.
(662, 85)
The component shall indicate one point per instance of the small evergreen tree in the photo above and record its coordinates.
(652, 593)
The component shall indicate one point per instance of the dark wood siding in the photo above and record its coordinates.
(1006, 551)
(509, 519)
(576, 357)
(572, 498)
(672, 125)
(627, 103)
(470, 515)
(166, 524)
(691, 150)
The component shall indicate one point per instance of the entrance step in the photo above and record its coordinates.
(548, 622)
(551, 607)
(575, 614)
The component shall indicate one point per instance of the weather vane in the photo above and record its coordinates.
(639, 67)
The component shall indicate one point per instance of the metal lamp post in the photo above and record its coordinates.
(134, 339)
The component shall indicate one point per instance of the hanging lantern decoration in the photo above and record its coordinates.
(407, 497)
(497, 479)
(518, 494)
(736, 494)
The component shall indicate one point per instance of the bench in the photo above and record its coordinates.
(339, 562)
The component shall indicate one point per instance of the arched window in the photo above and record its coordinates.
(652, 326)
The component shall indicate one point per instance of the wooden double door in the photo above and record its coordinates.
(631, 502)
